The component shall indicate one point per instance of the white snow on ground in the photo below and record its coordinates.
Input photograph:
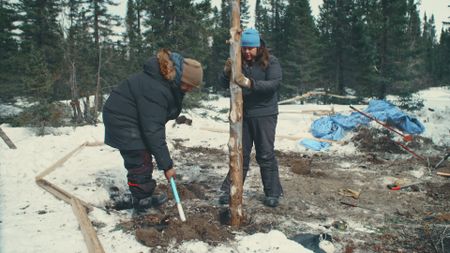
(32, 220)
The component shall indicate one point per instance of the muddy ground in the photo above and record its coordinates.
(317, 199)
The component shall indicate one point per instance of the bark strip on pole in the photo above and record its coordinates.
(235, 141)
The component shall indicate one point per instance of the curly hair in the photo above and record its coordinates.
(166, 66)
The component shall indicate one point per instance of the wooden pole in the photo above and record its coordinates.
(7, 139)
(59, 193)
(89, 233)
(236, 114)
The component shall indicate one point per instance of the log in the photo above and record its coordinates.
(89, 233)
(443, 174)
(7, 139)
(60, 193)
(314, 112)
(289, 137)
(314, 93)
(236, 115)
(59, 162)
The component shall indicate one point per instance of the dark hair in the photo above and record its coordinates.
(263, 56)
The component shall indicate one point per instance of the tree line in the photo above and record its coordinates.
(70, 49)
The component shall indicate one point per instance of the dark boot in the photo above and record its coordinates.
(271, 201)
(224, 199)
(142, 206)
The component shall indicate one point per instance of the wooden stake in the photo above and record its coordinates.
(89, 233)
(7, 139)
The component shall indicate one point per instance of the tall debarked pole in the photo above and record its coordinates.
(235, 141)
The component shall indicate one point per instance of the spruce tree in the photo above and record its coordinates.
(261, 17)
(42, 34)
(133, 34)
(245, 13)
(430, 48)
(102, 22)
(300, 52)
(443, 61)
(220, 50)
(180, 25)
(9, 73)
(392, 46)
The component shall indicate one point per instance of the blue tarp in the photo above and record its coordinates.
(334, 127)
(315, 145)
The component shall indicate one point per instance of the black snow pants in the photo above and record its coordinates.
(140, 168)
(261, 132)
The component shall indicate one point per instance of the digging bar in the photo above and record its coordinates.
(405, 137)
(177, 199)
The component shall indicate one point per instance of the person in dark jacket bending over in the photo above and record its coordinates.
(260, 80)
(135, 115)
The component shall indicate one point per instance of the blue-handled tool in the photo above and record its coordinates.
(177, 199)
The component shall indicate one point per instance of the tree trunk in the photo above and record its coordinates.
(98, 92)
(235, 141)
(75, 103)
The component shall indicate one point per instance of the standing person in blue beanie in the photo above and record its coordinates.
(260, 79)
(135, 115)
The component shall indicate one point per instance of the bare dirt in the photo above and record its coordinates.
(316, 200)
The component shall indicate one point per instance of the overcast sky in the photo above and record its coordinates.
(439, 8)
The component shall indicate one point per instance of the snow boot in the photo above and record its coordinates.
(142, 206)
(224, 199)
(271, 201)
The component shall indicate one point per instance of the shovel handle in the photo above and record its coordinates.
(177, 199)
(406, 138)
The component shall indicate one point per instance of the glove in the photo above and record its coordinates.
(170, 173)
(243, 81)
(227, 68)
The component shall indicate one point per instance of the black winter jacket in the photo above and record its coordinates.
(262, 98)
(136, 112)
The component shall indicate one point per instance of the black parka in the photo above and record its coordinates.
(262, 99)
(136, 112)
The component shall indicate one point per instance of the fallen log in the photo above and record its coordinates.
(7, 139)
(294, 138)
(88, 231)
(61, 161)
(59, 193)
(314, 93)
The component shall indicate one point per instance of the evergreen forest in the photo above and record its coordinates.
(53, 50)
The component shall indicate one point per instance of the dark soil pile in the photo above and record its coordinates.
(163, 229)
(375, 140)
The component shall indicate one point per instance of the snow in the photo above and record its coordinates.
(32, 220)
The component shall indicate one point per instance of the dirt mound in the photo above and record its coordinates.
(165, 229)
(375, 140)
(298, 163)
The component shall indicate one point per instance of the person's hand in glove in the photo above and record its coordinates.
(243, 81)
(227, 68)
(170, 173)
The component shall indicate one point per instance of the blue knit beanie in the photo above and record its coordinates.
(178, 62)
(250, 38)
